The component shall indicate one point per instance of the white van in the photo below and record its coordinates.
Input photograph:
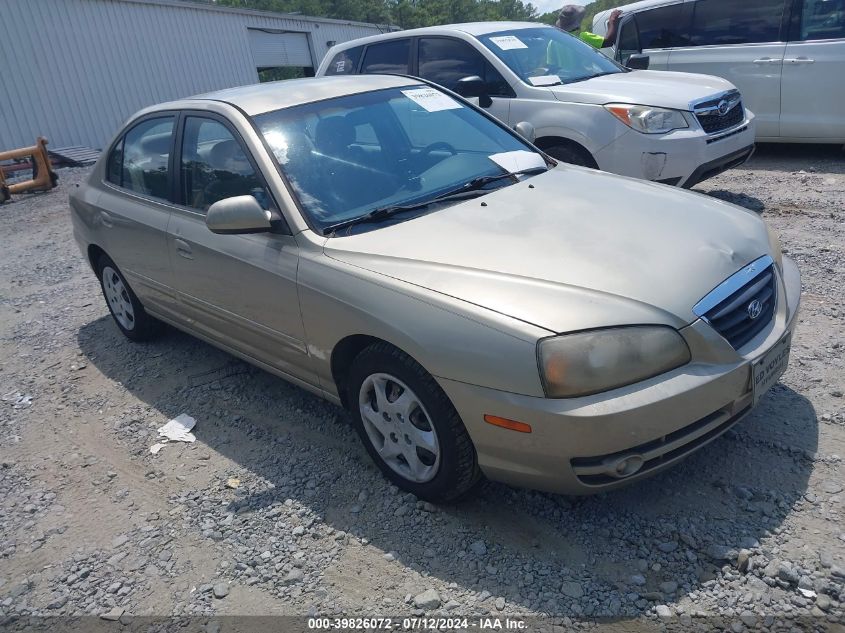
(786, 56)
(586, 109)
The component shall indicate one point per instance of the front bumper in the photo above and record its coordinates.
(682, 157)
(575, 442)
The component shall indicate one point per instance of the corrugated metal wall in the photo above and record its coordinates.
(74, 70)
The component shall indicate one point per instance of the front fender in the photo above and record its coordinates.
(589, 125)
(450, 338)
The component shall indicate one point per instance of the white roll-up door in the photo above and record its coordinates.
(270, 49)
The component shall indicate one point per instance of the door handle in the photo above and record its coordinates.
(183, 248)
(766, 60)
(798, 60)
(105, 218)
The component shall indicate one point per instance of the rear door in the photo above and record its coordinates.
(744, 42)
(813, 93)
(446, 60)
(135, 208)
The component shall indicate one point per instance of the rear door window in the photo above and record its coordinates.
(819, 20)
(723, 22)
(445, 61)
(140, 161)
(663, 27)
(345, 62)
(387, 57)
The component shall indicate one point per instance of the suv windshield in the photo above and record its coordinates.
(358, 154)
(546, 56)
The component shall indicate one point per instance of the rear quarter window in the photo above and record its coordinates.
(345, 62)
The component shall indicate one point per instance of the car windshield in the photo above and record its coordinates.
(547, 56)
(363, 153)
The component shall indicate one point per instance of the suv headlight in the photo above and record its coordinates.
(648, 119)
(590, 362)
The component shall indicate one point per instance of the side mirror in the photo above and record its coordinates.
(474, 86)
(241, 214)
(525, 130)
(638, 62)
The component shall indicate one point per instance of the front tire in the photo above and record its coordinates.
(409, 427)
(574, 155)
(125, 308)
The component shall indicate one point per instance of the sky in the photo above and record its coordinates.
(544, 6)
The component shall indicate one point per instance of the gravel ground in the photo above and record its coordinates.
(276, 508)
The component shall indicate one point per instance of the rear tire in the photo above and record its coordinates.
(409, 426)
(125, 308)
(572, 154)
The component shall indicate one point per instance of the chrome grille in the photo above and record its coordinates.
(720, 113)
(743, 305)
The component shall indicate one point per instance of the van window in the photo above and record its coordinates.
(717, 22)
(445, 61)
(663, 27)
(628, 43)
(387, 57)
(345, 62)
(821, 20)
(140, 161)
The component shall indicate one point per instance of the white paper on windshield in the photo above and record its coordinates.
(545, 80)
(508, 42)
(518, 160)
(432, 100)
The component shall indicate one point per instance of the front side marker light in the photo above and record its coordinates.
(505, 423)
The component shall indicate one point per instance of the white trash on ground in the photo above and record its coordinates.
(18, 400)
(176, 430)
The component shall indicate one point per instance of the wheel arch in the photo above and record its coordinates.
(94, 253)
(344, 354)
(545, 142)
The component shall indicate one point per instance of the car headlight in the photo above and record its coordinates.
(648, 119)
(590, 362)
(774, 246)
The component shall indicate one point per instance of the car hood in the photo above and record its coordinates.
(569, 249)
(645, 87)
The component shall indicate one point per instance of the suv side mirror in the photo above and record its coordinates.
(525, 130)
(638, 62)
(474, 86)
(240, 214)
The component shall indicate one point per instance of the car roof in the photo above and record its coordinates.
(470, 28)
(260, 98)
(635, 6)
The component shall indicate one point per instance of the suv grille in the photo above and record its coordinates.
(721, 113)
(743, 314)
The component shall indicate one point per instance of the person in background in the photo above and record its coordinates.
(570, 19)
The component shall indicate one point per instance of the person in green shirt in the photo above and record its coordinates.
(570, 17)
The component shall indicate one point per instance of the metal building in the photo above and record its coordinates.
(74, 70)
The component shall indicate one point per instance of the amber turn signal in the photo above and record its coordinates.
(512, 425)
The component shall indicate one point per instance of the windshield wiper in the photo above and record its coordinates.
(471, 187)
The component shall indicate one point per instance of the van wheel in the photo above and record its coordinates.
(572, 154)
(124, 306)
(409, 427)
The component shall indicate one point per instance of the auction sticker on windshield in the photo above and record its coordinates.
(766, 371)
(432, 100)
(508, 42)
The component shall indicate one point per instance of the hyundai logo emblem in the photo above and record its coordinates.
(754, 309)
(724, 106)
